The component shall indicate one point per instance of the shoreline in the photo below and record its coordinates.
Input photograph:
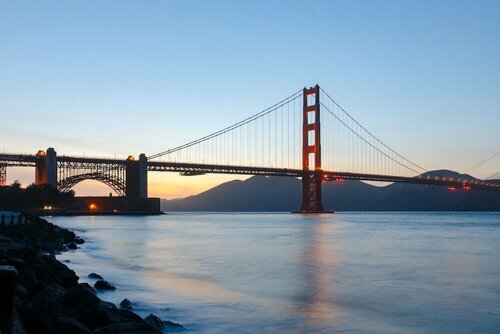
(49, 297)
(46, 213)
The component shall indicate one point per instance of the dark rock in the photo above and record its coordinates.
(49, 269)
(119, 315)
(25, 253)
(103, 285)
(18, 326)
(172, 326)
(155, 322)
(27, 278)
(72, 245)
(39, 311)
(126, 328)
(15, 262)
(4, 239)
(21, 291)
(79, 241)
(48, 296)
(126, 304)
(108, 305)
(89, 309)
(69, 325)
(67, 278)
(94, 275)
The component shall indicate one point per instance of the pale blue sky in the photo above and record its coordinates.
(124, 77)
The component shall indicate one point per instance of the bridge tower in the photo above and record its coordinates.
(136, 180)
(46, 168)
(311, 152)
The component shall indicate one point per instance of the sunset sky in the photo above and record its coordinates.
(114, 78)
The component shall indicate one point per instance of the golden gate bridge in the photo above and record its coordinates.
(306, 135)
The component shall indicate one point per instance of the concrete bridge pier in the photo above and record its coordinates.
(136, 182)
(46, 168)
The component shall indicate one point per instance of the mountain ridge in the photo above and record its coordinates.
(275, 193)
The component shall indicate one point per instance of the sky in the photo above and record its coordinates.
(119, 78)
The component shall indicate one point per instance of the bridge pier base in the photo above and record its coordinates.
(311, 193)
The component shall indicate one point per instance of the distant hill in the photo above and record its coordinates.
(260, 193)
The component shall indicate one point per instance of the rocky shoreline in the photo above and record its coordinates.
(49, 298)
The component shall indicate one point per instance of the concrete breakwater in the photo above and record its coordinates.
(47, 296)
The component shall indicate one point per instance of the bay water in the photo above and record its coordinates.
(290, 273)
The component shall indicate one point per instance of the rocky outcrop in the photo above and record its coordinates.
(49, 298)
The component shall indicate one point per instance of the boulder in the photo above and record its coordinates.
(21, 291)
(14, 261)
(39, 311)
(119, 315)
(103, 285)
(94, 275)
(71, 325)
(79, 241)
(27, 278)
(126, 328)
(4, 239)
(72, 245)
(155, 322)
(89, 309)
(172, 326)
(52, 270)
(126, 304)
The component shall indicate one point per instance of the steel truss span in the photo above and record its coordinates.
(72, 171)
(117, 184)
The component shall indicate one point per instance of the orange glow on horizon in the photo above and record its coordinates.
(170, 185)
(162, 185)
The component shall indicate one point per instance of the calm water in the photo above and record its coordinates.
(284, 273)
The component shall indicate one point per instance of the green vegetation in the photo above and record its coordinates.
(33, 197)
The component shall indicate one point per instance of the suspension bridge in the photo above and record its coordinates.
(306, 135)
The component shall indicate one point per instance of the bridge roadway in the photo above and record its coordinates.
(189, 169)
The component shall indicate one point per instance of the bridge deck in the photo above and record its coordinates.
(23, 160)
(198, 169)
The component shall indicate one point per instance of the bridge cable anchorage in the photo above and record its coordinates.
(261, 114)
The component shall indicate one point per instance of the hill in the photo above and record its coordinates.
(260, 193)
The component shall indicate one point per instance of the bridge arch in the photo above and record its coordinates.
(115, 183)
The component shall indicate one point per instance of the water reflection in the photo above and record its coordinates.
(319, 258)
(273, 273)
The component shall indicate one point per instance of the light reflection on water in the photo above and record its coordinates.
(268, 273)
